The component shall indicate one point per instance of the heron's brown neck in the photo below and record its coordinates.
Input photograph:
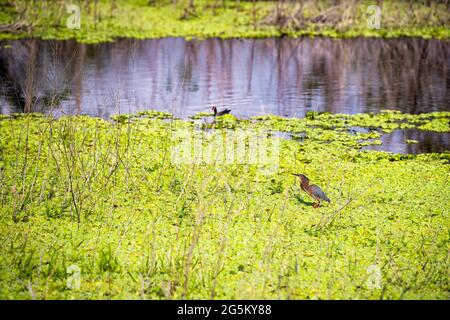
(304, 182)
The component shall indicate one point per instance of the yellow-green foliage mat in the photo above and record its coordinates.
(105, 199)
(111, 19)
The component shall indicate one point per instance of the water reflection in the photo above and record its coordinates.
(281, 76)
(427, 141)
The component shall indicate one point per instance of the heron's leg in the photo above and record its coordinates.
(317, 204)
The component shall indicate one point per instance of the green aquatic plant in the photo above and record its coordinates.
(439, 125)
(112, 200)
(226, 121)
(154, 114)
(202, 114)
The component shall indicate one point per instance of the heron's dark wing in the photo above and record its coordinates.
(318, 193)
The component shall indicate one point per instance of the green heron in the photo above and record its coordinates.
(220, 113)
(312, 190)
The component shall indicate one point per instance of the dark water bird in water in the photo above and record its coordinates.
(312, 190)
(219, 113)
(286, 77)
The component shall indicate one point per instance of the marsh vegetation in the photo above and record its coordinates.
(98, 199)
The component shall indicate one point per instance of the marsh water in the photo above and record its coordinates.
(286, 77)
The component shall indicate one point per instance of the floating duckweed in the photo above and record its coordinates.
(113, 200)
